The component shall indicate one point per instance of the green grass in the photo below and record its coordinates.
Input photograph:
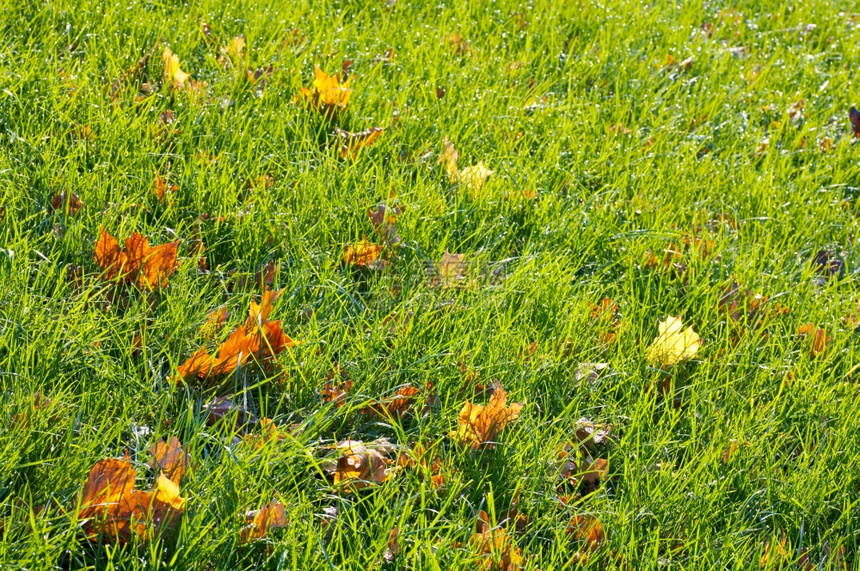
(536, 103)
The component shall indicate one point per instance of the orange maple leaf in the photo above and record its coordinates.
(257, 338)
(479, 425)
(114, 510)
(140, 263)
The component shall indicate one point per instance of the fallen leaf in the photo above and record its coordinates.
(449, 272)
(352, 143)
(588, 529)
(232, 52)
(140, 263)
(364, 254)
(383, 219)
(256, 339)
(169, 458)
(775, 555)
(271, 516)
(854, 116)
(359, 465)
(819, 339)
(591, 434)
(160, 188)
(66, 202)
(495, 547)
(479, 425)
(673, 344)
(475, 176)
(173, 74)
(113, 510)
(393, 548)
(589, 372)
(223, 407)
(328, 96)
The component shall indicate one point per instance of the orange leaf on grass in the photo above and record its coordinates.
(114, 510)
(271, 516)
(396, 406)
(479, 425)
(139, 263)
(160, 187)
(818, 336)
(495, 547)
(364, 254)
(169, 458)
(257, 338)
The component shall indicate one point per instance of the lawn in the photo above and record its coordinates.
(451, 285)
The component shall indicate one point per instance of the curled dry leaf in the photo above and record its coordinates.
(67, 202)
(352, 143)
(140, 263)
(169, 458)
(271, 516)
(478, 426)
(591, 434)
(393, 548)
(364, 254)
(586, 474)
(384, 218)
(327, 96)
(114, 510)
(333, 391)
(359, 465)
(673, 344)
(173, 74)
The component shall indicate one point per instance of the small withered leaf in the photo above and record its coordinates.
(66, 202)
(352, 143)
(854, 116)
(271, 516)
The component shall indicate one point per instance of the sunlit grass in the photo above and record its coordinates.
(619, 172)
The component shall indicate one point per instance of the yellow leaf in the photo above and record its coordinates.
(673, 344)
(173, 74)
